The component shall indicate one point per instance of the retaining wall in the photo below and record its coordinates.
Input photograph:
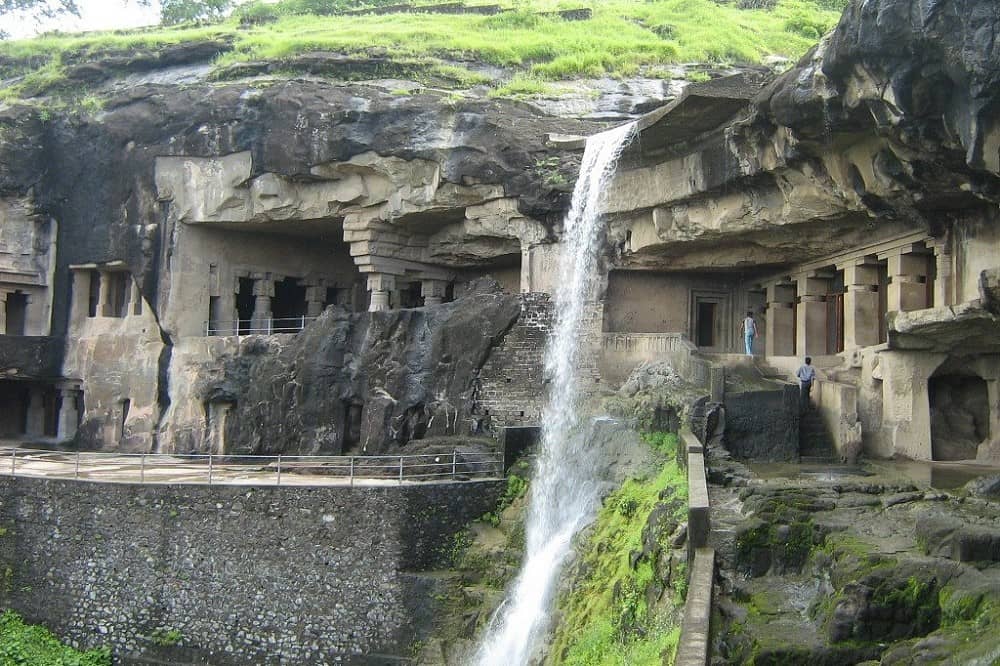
(241, 575)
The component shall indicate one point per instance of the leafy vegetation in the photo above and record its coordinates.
(532, 43)
(21, 643)
(608, 619)
(516, 487)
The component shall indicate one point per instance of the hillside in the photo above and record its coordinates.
(514, 48)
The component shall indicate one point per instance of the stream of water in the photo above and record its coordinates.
(564, 493)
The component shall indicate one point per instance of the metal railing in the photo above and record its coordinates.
(257, 326)
(250, 470)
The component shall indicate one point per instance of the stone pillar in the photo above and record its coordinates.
(80, 300)
(380, 284)
(907, 291)
(68, 415)
(134, 297)
(525, 269)
(315, 296)
(433, 291)
(3, 312)
(104, 297)
(779, 327)
(811, 316)
(861, 318)
(35, 426)
(906, 414)
(945, 279)
(263, 291)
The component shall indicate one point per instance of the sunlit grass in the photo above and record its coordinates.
(621, 37)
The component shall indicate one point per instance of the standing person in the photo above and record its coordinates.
(749, 328)
(806, 374)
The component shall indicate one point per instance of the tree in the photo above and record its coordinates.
(181, 11)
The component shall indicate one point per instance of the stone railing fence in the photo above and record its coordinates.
(620, 352)
(251, 470)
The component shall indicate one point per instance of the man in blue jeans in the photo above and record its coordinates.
(749, 328)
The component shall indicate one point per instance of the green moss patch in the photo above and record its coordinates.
(22, 643)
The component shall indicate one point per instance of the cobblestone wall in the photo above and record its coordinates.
(236, 575)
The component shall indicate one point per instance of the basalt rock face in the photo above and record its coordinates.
(888, 125)
(371, 382)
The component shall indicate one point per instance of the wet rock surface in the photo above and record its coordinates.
(843, 565)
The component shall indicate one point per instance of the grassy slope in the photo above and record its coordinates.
(29, 644)
(622, 36)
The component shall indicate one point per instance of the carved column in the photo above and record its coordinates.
(263, 291)
(433, 291)
(525, 269)
(380, 284)
(104, 298)
(3, 312)
(315, 296)
(944, 274)
(779, 327)
(811, 318)
(68, 414)
(35, 425)
(80, 298)
(907, 282)
(861, 320)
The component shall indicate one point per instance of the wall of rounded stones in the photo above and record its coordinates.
(231, 575)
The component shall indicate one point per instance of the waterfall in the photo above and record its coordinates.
(564, 494)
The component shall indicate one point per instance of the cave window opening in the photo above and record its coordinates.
(126, 405)
(410, 296)
(288, 306)
(835, 315)
(352, 425)
(118, 288)
(14, 400)
(214, 318)
(16, 311)
(244, 305)
(959, 416)
(51, 405)
(218, 423)
(94, 294)
(883, 301)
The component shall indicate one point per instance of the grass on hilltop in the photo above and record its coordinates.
(620, 38)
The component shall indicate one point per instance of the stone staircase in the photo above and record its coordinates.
(815, 441)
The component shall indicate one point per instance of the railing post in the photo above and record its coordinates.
(210, 469)
(454, 463)
(142, 468)
(400, 470)
(352, 471)
(76, 471)
(208, 328)
(302, 327)
(270, 326)
(279, 469)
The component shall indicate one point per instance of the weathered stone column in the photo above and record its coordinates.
(380, 284)
(906, 289)
(906, 413)
(68, 414)
(779, 327)
(35, 425)
(811, 316)
(945, 274)
(263, 291)
(104, 297)
(80, 297)
(134, 305)
(315, 296)
(861, 319)
(525, 268)
(3, 312)
(433, 291)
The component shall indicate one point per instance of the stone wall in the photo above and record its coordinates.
(510, 387)
(242, 575)
(763, 426)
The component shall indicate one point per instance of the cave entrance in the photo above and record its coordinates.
(244, 305)
(16, 311)
(516, 441)
(13, 409)
(218, 421)
(835, 315)
(288, 306)
(960, 416)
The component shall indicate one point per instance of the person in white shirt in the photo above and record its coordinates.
(806, 374)
(749, 329)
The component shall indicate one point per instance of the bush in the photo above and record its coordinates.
(21, 643)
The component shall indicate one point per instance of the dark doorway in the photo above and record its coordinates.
(705, 324)
(13, 408)
(244, 305)
(16, 311)
(883, 301)
(289, 302)
(835, 315)
(960, 416)
(94, 293)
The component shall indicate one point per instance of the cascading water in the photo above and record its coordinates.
(564, 492)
